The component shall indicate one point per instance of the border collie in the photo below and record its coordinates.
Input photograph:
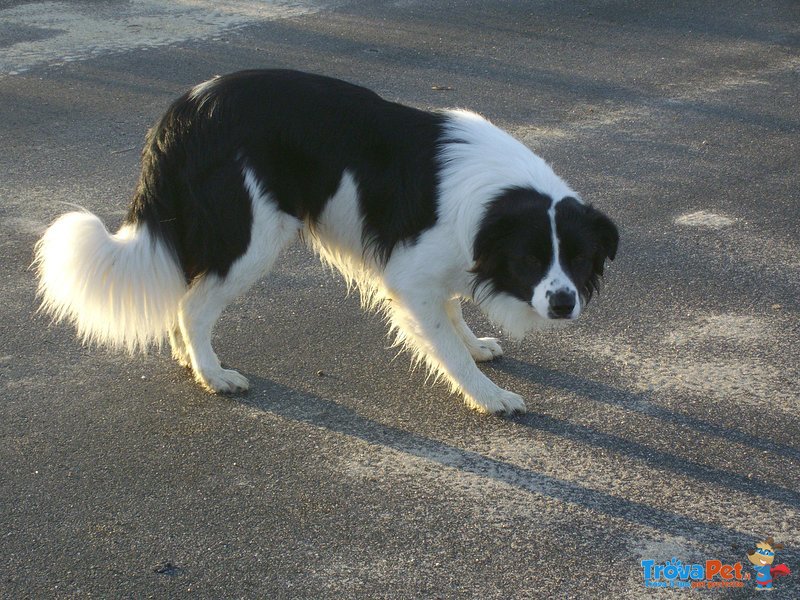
(418, 210)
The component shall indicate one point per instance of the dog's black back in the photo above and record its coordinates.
(298, 132)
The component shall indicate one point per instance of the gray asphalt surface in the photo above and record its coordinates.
(664, 424)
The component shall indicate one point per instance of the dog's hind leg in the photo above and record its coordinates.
(272, 231)
(424, 326)
(481, 349)
(199, 310)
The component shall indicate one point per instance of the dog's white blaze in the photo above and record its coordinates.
(555, 279)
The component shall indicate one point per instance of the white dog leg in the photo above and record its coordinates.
(424, 325)
(481, 349)
(199, 310)
(202, 305)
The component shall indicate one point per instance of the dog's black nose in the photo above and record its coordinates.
(562, 303)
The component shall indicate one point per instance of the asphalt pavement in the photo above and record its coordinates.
(662, 427)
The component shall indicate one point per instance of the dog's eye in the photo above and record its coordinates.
(581, 259)
(525, 268)
(530, 265)
(531, 262)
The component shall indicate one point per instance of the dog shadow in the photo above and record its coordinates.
(640, 402)
(309, 408)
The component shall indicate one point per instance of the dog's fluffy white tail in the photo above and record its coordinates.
(119, 290)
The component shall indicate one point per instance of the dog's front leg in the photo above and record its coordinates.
(481, 349)
(425, 327)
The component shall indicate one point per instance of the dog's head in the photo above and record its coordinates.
(547, 254)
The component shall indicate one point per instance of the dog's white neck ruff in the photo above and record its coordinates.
(479, 161)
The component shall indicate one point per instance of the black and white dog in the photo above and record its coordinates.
(417, 209)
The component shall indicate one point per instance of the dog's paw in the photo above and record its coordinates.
(498, 402)
(224, 381)
(486, 349)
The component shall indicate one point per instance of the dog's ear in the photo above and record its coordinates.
(607, 234)
(606, 240)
